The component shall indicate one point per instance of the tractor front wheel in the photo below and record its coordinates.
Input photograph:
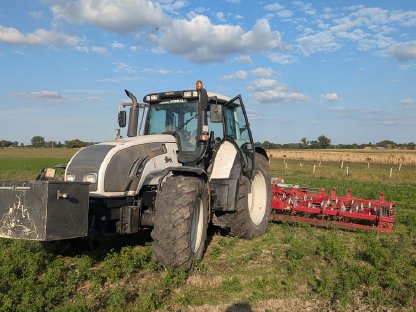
(181, 222)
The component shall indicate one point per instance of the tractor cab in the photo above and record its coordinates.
(200, 121)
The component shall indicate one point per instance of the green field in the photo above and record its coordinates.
(25, 163)
(290, 268)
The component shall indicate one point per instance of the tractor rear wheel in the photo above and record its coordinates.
(181, 222)
(253, 204)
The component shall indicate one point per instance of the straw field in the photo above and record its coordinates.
(372, 156)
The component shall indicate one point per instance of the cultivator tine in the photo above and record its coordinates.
(301, 204)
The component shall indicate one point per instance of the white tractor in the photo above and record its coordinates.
(191, 163)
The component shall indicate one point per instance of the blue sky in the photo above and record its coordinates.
(344, 69)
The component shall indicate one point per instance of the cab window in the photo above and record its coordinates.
(236, 123)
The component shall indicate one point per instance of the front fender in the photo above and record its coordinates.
(185, 170)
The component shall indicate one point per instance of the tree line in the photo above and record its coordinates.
(40, 142)
(322, 142)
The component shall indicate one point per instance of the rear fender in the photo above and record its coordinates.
(225, 176)
(260, 150)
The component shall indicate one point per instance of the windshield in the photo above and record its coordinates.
(176, 118)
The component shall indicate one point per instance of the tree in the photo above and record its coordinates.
(411, 146)
(314, 144)
(74, 143)
(324, 142)
(38, 141)
(386, 144)
(305, 142)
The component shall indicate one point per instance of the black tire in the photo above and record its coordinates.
(181, 222)
(253, 203)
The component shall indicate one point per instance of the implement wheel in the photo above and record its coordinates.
(181, 222)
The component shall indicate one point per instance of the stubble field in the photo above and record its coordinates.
(291, 267)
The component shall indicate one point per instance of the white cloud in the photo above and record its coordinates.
(160, 71)
(93, 98)
(319, 42)
(338, 109)
(43, 95)
(186, 37)
(220, 16)
(118, 79)
(136, 49)
(305, 7)
(282, 58)
(238, 75)
(121, 67)
(409, 102)
(38, 37)
(120, 16)
(36, 14)
(100, 50)
(189, 38)
(284, 14)
(330, 96)
(263, 72)
(271, 91)
(117, 45)
(158, 50)
(82, 49)
(403, 51)
(173, 6)
(234, 1)
(274, 7)
(246, 59)
(366, 27)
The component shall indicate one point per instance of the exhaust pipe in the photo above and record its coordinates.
(134, 115)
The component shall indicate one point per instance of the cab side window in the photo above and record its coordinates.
(236, 123)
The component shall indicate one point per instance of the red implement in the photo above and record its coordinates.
(302, 204)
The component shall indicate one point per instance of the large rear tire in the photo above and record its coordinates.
(253, 204)
(181, 222)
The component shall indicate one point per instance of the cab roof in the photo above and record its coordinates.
(220, 97)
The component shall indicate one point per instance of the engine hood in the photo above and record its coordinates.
(145, 139)
(115, 168)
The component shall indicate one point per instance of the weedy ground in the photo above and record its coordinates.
(292, 267)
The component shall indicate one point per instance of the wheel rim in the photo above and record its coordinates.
(197, 225)
(257, 198)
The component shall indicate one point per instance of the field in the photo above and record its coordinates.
(370, 156)
(292, 267)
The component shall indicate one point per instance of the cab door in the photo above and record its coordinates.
(237, 130)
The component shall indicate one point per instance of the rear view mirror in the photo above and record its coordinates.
(215, 113)
(122, 119)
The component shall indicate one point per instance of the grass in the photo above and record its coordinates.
(25, 163)
(291, 267)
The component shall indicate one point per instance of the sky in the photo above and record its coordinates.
(343, 69)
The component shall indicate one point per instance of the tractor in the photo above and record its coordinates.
(189, 163)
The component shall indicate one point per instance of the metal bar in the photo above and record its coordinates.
(331, 223)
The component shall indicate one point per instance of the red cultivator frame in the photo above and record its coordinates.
(302, 204)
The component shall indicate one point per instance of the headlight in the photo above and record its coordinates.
(190, 94)
(70, 177)
(152, 98)
(90, 177)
